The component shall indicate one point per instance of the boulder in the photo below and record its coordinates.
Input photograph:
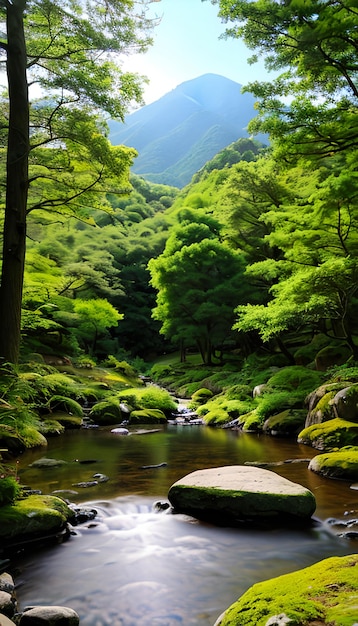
(147, 416)
(335, 433)
(49, 616)
(7, 583)
(240, 494)
(324, 593)
(33, 519)
(345, 403)
(341, 463)
(7, 604)
(285, 424)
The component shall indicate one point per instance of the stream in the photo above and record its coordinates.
(135, 566)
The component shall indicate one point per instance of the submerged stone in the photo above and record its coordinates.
(238, 493)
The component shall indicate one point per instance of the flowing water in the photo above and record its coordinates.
(134, 566)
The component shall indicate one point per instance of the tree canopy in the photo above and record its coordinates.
(68, 53)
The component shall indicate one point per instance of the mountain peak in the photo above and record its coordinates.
(178, 133)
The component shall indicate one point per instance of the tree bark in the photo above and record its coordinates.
(14, 241)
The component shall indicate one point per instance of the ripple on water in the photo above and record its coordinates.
(132, 566)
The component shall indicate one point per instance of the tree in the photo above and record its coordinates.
(315, 282)
(315, 46)
(57, 151)
(199, 281)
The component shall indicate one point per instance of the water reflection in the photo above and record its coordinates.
(136, 567)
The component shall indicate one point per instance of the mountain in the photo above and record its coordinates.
(176, 135)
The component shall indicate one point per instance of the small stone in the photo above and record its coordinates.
(49, 616)
(7, 605)
(6, 583)
(120, 431)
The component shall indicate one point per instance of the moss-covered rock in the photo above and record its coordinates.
(295, 377)
(251, 422)
(325, 410)
(345, 403)
(61, 404)
(287, 423)
(331, 355)
(240, 494)
(328, 435)
(342, 463)
(199, 396)
(324, 593)
(68, 421)
(33, 517)
(216, 417)
(150, 397)
(51, 427)
(107, 411)
(147, 416)
(9, 490)
(322, 411)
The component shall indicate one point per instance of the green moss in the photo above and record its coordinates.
(62, 403)
(201, 394)
(251, 422)
(326, 592)
(276, 402)
(31, 437)
(9, 490)
(33, 515)
(50, 427)
(68, 421)
(286, 422)
(334, 433)
(147, 416)
(107, 411)
(340, 464)
(150, 397)
(295, 377)
(216, 416)
(323, 407)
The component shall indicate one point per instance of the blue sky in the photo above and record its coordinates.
(187, 45)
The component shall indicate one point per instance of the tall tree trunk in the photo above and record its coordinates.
(14, 242)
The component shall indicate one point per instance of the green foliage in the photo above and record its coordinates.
(121, 366)
(198, 283)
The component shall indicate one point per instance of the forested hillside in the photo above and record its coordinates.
(258, 251)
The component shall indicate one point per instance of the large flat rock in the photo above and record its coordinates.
(238, 493)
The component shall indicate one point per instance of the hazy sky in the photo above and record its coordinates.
(187, 45)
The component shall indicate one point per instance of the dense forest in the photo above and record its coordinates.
(257, 255)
